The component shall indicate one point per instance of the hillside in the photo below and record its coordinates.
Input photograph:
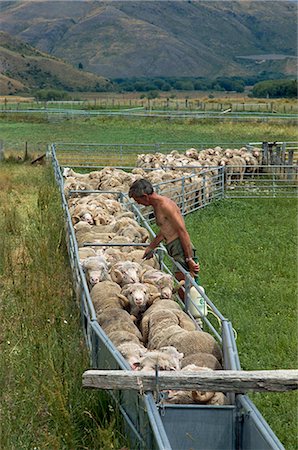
(23, 68)
(160, 38)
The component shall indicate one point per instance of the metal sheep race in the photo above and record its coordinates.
(151, 422)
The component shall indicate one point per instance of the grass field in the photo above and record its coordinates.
(248, 257)
(18, 132)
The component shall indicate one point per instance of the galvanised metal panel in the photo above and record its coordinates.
(192, 427)
(176, 427)
(255, 433)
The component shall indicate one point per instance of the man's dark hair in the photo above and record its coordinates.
(140, 188)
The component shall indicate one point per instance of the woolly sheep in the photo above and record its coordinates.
(96, 269)
(132, 352)
(121, 337)
(86, 252)
(137, 256)
(190, 342)
(163, 281)
(138, 298)
(164, 359)
(106, 295)
(125, 272)
(201, 360)
(155, 324)
(116, 319)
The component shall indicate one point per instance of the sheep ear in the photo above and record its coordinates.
(76, 219)
(201, 397)
(155, 296)
(150, 282)
(116, 276)
(124, 299)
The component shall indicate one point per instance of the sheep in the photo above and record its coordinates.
(190, 342)
(107, 295)
(166, 358)
(96, 269)
(115, 319)
(154, 325)
(125, 272)
(85, 252)
(132, 352)
(113, 255)
(234, 166)
(163, 281)
(137, 256)
(135, 234)
(121, 337)
(162, 304)
(82, 225)
(83, 237)
(201, 360)
(201, 397)
(137, 296)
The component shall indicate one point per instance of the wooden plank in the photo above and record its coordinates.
(217, 380)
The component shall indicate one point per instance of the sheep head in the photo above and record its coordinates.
(136, 293)
(96, 269)
(125, 272)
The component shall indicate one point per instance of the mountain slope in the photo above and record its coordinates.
(158, 38)
(22, 67)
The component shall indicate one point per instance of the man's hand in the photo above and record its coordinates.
(193, 266)
(149, 252)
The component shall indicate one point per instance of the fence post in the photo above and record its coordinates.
(265, 153)
(183, 196)
(290, 164)
(277, 155)
(204, 189)
(283, 154)
(222, 169)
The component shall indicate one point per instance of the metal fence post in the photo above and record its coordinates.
(183, 196)
(265, 153)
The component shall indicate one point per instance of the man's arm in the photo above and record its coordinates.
(149, 250)
(174, 216)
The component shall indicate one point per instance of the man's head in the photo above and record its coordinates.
(140, 190)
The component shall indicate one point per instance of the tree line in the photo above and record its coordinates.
(266, 85)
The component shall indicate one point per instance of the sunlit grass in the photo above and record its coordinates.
(16, 132)
(248, 256)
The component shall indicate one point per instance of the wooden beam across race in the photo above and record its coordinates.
(217, 380)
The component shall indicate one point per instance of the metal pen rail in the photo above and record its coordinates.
(149, 421)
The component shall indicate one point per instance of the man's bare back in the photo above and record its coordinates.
(168, 218)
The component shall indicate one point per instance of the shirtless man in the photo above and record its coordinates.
(172, 227)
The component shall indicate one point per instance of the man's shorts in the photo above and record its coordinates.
(175, 250)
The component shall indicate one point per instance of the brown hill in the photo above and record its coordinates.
(23, 68)
(159, 38)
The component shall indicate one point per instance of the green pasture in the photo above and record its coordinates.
(248, 257)
(17, 130)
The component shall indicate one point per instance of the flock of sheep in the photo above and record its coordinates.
(191, 179)
(133, 299)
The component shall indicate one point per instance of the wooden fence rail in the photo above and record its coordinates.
(217, 380)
